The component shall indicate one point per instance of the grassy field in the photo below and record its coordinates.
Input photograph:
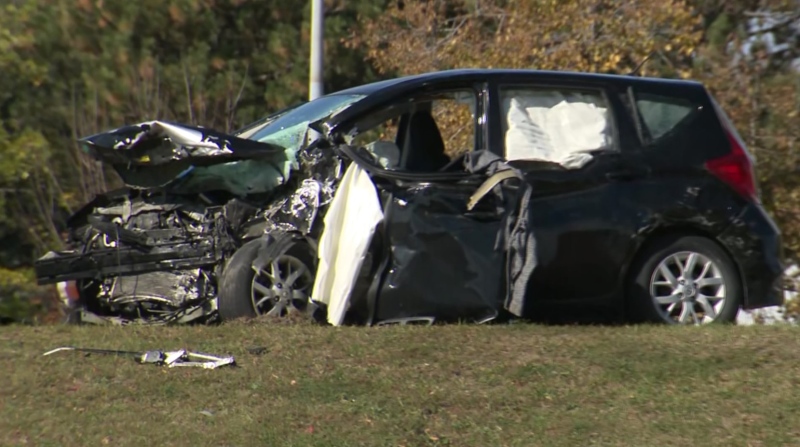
(518, 385)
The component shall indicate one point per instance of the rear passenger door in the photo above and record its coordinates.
(582, 208)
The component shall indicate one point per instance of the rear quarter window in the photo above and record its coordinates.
(662, 114)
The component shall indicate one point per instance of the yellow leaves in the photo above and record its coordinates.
(218, 63)
(111, 99)
(176, 14)
(147, 68)
(560, 35)
(85, 5)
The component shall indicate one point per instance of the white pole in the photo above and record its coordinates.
(315, 89)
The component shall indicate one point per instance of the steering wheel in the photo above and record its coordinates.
(450, 165)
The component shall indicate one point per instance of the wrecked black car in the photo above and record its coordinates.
(462, 195)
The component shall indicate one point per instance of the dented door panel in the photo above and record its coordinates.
(443, 259)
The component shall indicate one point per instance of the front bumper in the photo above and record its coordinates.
(74, 265)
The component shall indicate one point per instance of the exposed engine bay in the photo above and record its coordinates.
(148, 256)
(155, 255)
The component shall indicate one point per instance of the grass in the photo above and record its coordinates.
(517, 385)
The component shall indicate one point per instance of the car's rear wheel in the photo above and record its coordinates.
(275, 283)
(687, 280)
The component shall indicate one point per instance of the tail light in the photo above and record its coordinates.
(68, 292)
(736, 167)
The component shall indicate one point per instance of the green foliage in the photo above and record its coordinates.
(719, 30)
(20, 299)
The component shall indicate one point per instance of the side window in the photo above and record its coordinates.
(454, 114)
(661, 114)
(420, 134)
(556, 125)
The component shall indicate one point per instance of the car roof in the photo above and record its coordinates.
(498, 74)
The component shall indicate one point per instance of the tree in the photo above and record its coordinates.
(580, 35)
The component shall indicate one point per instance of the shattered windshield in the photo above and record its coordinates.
(289, 129)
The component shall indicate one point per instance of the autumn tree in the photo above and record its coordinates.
(580, 35)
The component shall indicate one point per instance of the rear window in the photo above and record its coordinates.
(661, 114)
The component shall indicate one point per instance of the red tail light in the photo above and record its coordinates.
(735, 169)
(68, 292)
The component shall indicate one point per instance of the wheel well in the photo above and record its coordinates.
(675, 232)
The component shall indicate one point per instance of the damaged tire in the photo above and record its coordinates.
(684, 280)
(272, 277)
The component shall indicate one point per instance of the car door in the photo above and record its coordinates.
(583, 215)
(432, 257)
(442, 260)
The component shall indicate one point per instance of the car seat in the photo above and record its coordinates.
(424, 146)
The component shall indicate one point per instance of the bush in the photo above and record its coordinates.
(21, 300)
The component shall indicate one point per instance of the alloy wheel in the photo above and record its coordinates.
(282, 287)
(688, 288)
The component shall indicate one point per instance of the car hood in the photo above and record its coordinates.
(160, 153)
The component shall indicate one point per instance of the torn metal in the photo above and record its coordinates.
(143, 255)
(190, 160)
(516, 239)
(170, 359)
(158, 142)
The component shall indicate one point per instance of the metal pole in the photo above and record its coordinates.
(315, 89)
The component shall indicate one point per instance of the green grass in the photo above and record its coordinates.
(519, 385)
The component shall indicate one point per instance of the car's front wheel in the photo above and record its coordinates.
(684, 280)
(274, 280)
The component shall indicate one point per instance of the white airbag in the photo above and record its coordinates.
(350, 223)
(550, 126)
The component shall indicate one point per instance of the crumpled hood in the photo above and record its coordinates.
(159, 142)
(157, 153)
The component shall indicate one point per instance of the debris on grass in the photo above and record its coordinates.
(170, 359)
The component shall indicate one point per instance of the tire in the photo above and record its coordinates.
(657, 275)
(238, 292)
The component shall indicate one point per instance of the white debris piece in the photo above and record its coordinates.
(170, 359)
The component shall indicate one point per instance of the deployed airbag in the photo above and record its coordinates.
(350, 223)
(554, 127)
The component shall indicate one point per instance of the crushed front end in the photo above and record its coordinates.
(153, 252)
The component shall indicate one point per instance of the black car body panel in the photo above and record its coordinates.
(754, 240)
(435, 257)
(441, 255)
